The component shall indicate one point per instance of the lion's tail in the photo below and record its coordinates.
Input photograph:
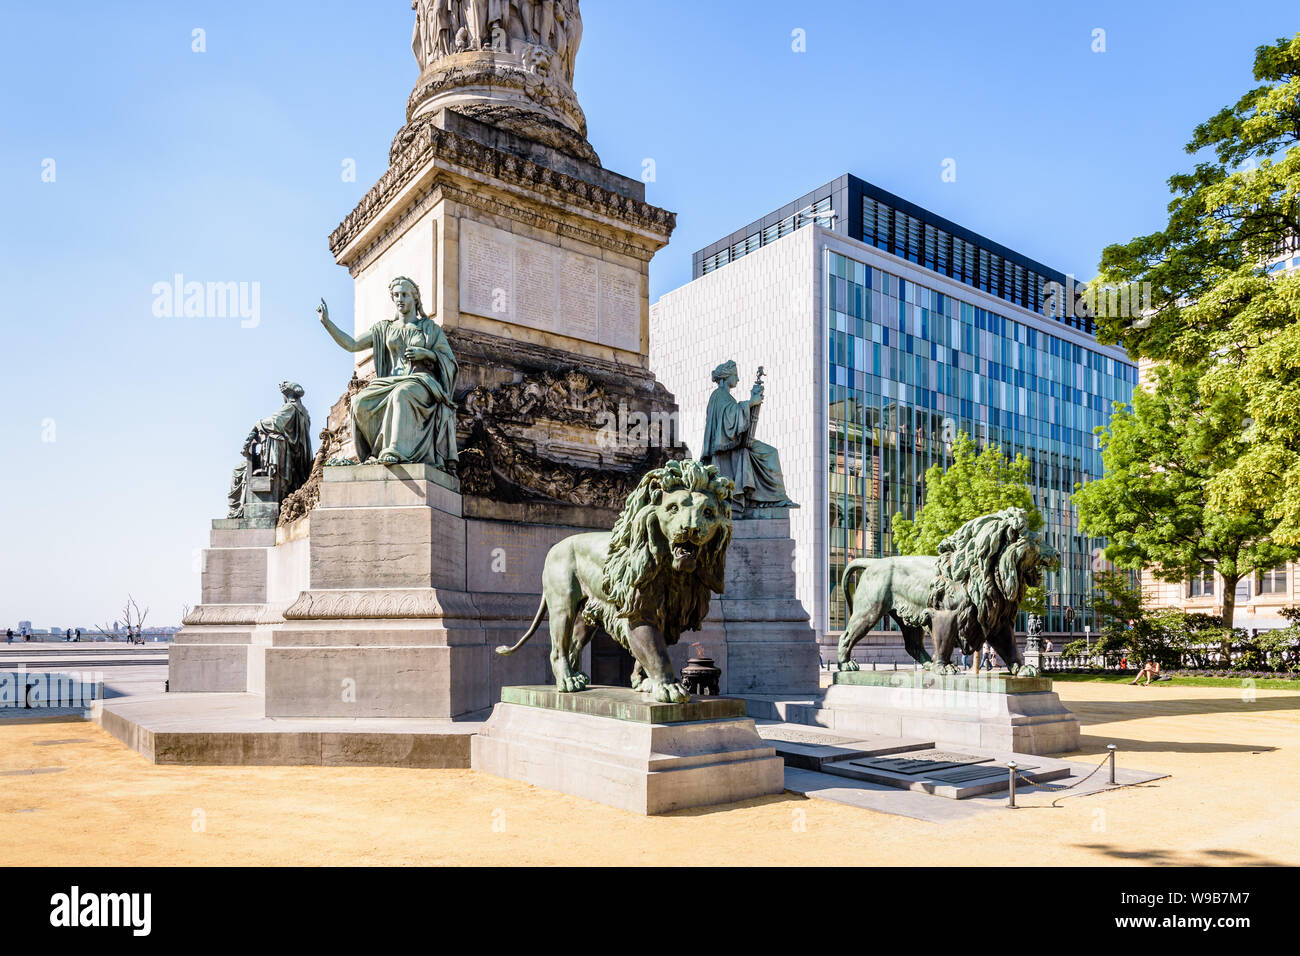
(537, 619)
(857, 564)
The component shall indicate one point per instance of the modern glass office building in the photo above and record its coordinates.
(885, 331)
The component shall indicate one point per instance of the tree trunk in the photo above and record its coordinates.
(1229, 612)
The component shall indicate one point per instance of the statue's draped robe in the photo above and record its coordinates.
(286, 454)
(406, 410)
(756, 471)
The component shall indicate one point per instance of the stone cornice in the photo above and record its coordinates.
(227, 614)
(417, 209)
(564, 191)
(380, 604)
(477, 200)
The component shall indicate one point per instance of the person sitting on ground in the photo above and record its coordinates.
(1149, 670)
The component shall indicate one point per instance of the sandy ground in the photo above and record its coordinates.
(1230, 802)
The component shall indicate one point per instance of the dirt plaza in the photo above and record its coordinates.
(73, 795)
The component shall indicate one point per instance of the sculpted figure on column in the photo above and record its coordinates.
(421, 42)
(277, 447)
(444, 27)
(571, 36)
(753, 466)
(407, 412)
(478, 21)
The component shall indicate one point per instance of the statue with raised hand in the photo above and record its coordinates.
(407, 413)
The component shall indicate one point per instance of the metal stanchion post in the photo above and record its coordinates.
(1011, 783)
(1112, 748)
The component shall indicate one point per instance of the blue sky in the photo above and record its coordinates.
(121, 426)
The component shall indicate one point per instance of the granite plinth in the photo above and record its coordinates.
(623, 703)
(999, 712)
(628, 761)
(988, 682)
(377, 471)
(230, 730)
(757, 631)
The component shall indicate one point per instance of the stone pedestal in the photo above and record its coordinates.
(385, 602)
(385, 627)
(611, 745)
(757, 631)
(991, 711)
(261, 503)
(210, 654)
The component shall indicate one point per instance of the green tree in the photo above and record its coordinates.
(1171, 636)
(1159, 455)
(1214, 306)
(973, 485)
(1123, 625)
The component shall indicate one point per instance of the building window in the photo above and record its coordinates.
(1201, 585)
(1272, 582)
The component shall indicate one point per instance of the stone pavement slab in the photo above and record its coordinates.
(809, 747)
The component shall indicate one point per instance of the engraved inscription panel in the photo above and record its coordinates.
(524, 281)
(486, 271)
(535, 298)
(620, 306)
(579, 277)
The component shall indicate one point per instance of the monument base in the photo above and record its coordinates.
(757, 631)
(230, 730)
(611, 745)
(990, 711)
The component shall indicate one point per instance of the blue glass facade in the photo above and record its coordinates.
(908, 368)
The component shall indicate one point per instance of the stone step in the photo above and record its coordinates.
(231, 730)
(808, 748)
(956, 775)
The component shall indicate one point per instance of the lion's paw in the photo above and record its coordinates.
(665, 693)
(1027, 670)
(848, 665)
(672, 694)
(571, 685)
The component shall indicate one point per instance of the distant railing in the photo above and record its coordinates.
(1063, 662)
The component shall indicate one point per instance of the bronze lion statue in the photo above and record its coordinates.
(643, 583)
(968, 594)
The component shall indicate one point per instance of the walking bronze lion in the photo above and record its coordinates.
(968, 594)
(644, 583)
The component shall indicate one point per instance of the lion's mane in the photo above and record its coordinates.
(639, 578)
(983, 569)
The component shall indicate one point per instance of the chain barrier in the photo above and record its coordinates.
(1052, 787)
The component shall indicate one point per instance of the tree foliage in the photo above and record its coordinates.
(1172, 636)
(1215, 307)
(974, 484)
(1159, 456)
